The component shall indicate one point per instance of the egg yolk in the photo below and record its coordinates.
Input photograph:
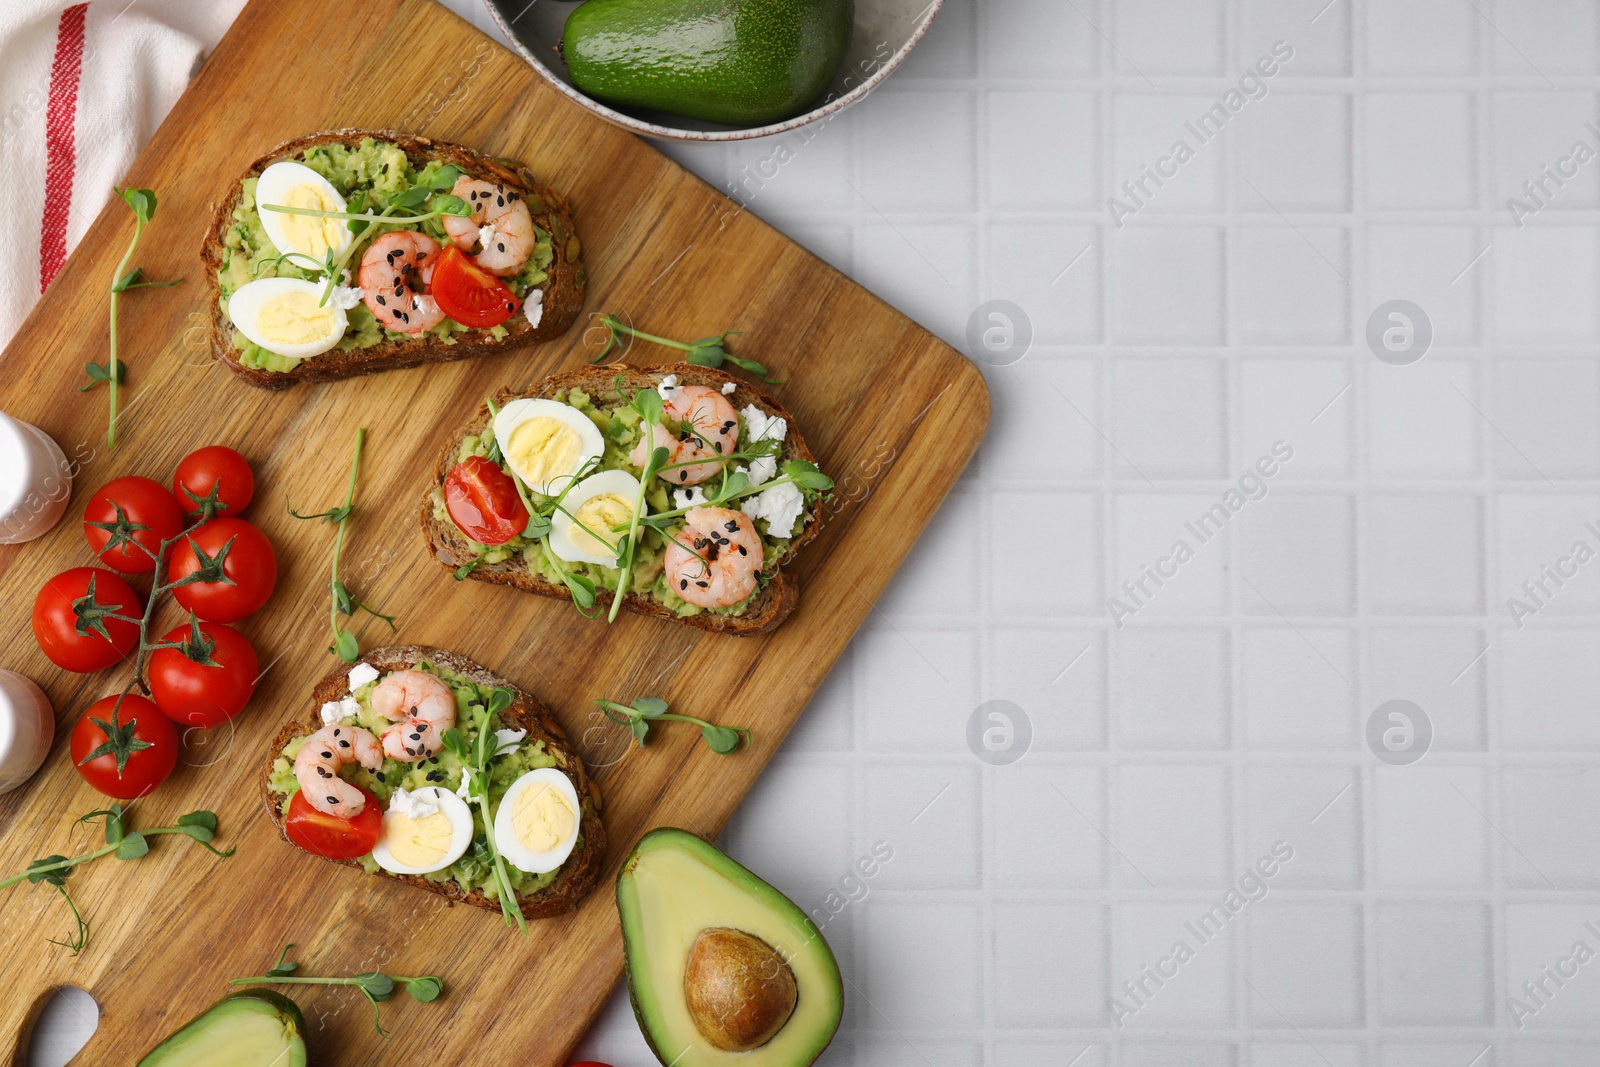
(307, 233)
(542, 819)
(593, 521)
(418, 842)
(543, 449)
(293, 318)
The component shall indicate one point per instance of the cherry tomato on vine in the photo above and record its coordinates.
(217, 473)
(482, 500)
(125, 751)
(236, 586)
(327, 835)
(468, 293)
(76, 619)
(126, 521)
(206, 681)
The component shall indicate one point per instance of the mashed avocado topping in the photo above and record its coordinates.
(368, 176)
(620, 427)
(473, 869)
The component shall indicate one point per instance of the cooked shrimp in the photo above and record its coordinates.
(423, 707)
(316, 768)
(710, 430)
(500, 227)
(715, 559)
(395, 271)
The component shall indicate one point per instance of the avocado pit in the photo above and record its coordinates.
(739, 990)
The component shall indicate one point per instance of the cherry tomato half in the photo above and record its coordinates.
(468, 293)
(482, 500)
(70, 612)
(329, 836)
(125, 751)
(151, 515)
(250, 570)
(214, 468)
(193, 693)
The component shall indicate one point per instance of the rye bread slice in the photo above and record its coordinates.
(772, 604)
(563, 290)
(582, 869)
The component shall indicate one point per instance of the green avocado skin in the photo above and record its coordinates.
(251, 1027)
(737, 62)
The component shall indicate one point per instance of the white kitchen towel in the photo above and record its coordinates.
(82, 87)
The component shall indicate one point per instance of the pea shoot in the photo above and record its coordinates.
(113, 373)
(639, 715)
(342, 601)
(374, 985)
(121, 842)
(706, 352)
(477, 756)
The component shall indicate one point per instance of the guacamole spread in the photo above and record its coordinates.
(368, 176)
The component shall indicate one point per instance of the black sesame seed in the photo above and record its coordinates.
(501, 245)
(732, 526)
(742, 552)
(327, 755)
(702, 585)
(683, 583)
(344, 744)
(333, 800)
(379, 776)
(381, 301)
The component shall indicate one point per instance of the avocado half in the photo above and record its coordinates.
(674, 888)
(736, 62)
(252, 1028)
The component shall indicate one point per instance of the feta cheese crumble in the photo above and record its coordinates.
(404, 802)
(780, 505)
(362, 674)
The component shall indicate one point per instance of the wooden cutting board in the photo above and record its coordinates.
(893, 413)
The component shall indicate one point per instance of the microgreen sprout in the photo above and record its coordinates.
(374, 985)
(706, 352)
(143, 203)
(638, 716)
(476, 757)
(342, 601)
(120, 841)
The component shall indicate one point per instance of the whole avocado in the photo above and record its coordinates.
(737, 62)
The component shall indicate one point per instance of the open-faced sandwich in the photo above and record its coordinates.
(676, 491)
(356, 251)
(415, 755)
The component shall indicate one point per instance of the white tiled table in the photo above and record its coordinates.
(1229, 710)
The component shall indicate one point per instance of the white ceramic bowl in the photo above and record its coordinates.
(885, 33)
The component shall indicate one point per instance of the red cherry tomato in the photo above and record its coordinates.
(70, 612)
(482, 500)
(250, 570)
(219, 468)
(327, 835)
(125, 751)
(468, 293)
(193, 693)
(151, 513)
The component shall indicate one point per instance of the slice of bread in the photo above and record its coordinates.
(563, 290)
(772, 604)
(582, 869)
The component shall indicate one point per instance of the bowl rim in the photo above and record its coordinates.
(671, 133)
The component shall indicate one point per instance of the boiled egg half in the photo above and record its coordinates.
(581, 532)
(283, 316)
(546, 442)
(424, 830)
(536, 825)
(291, 184)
